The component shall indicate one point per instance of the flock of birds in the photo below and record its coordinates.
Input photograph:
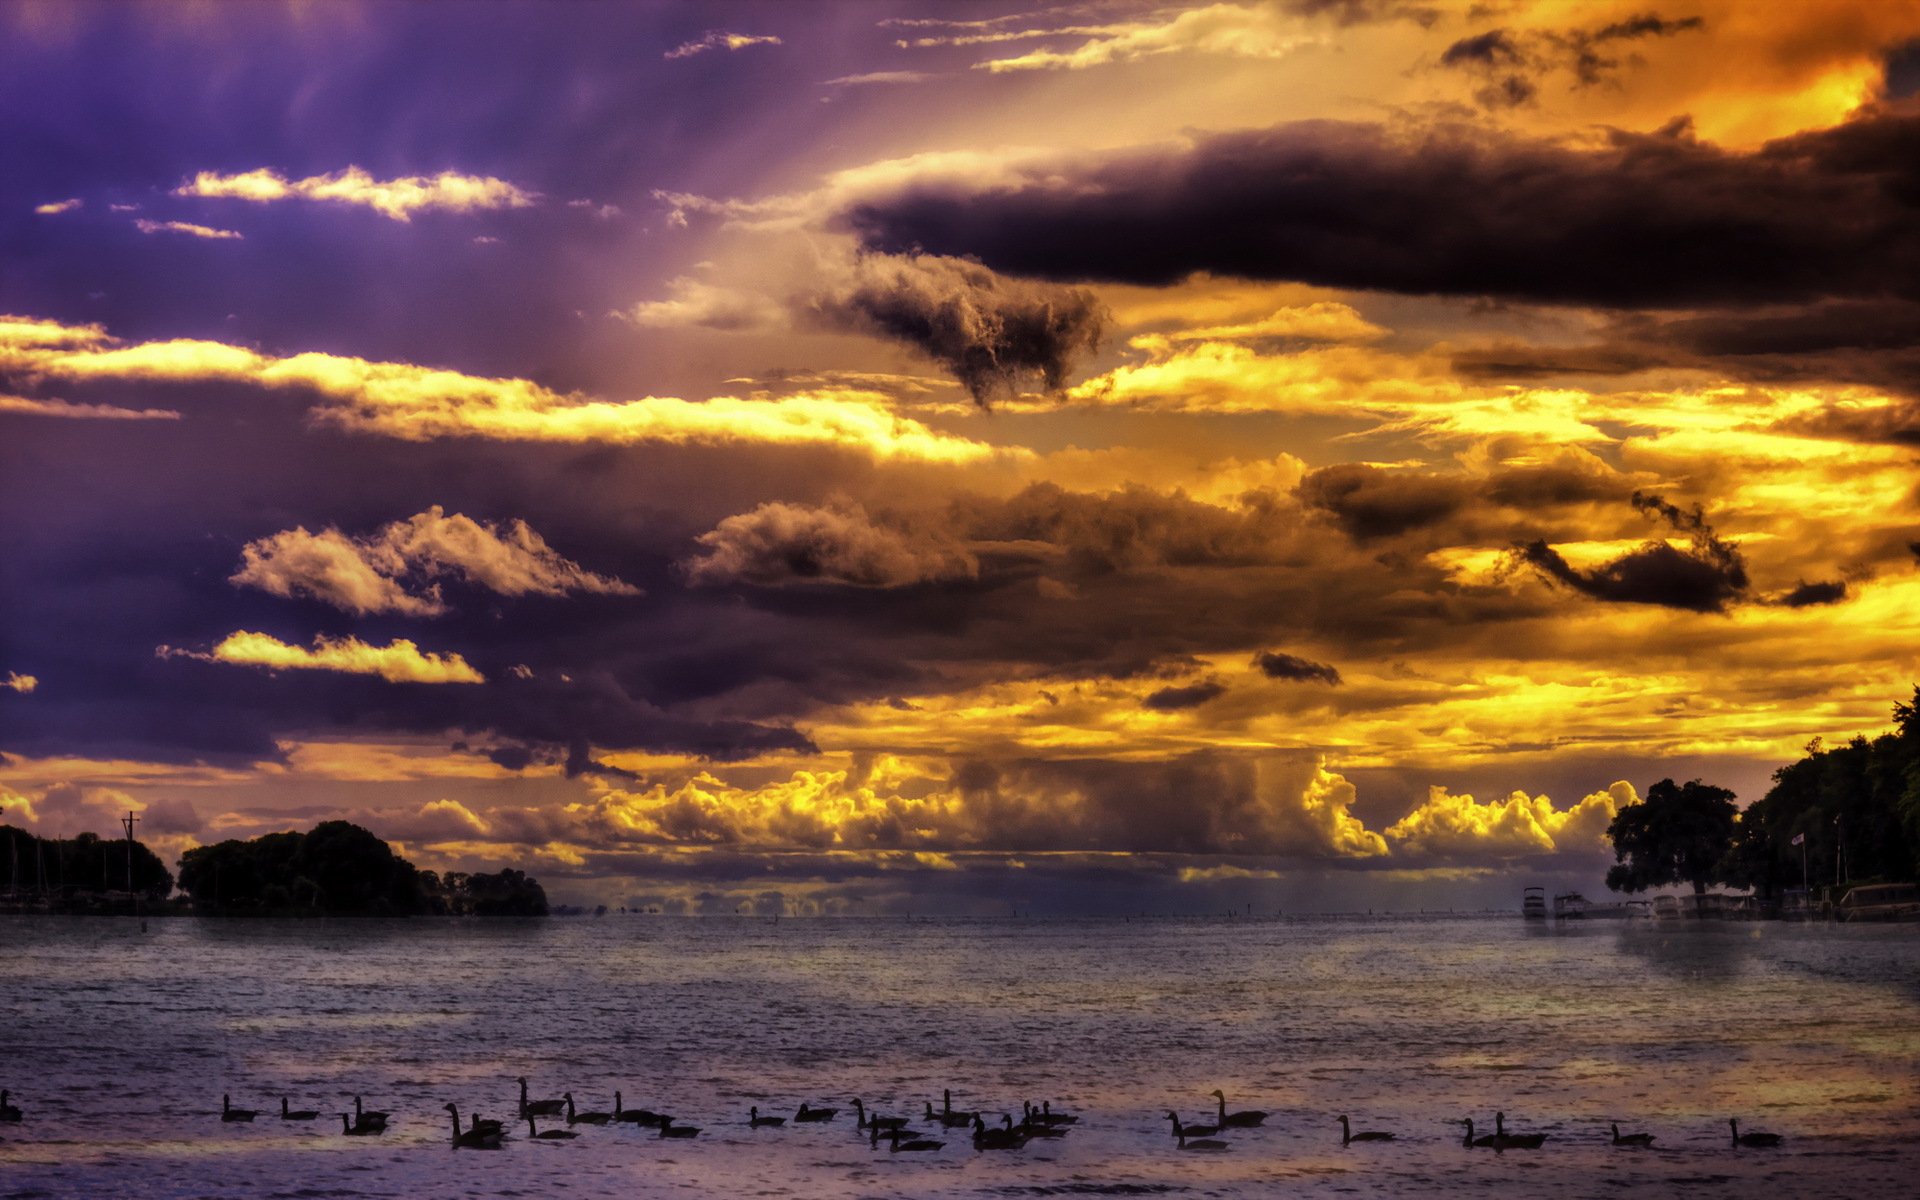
(481, 1133)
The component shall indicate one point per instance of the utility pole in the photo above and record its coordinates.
(128, 821)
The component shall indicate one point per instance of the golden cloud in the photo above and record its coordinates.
(399, 199)
(188, 228)
(16, 682)
(400, 661)
(1450, 826)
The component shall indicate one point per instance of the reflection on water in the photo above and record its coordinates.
(119, 1045)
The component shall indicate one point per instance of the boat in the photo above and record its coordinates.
(1880, 902)
(1533, 903)
(1572, 906)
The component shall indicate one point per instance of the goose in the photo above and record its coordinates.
(1239, 1120)
(1348, 1136)
(1502, 1140)
(584, 1118)
(1053, 1118)
(1199, 1144)
(229, 1113)
(874, 1135)
(879, 1122)
(1191, 1130)
(485, 1125)
(287, 1114)
(472, 1139)
(1033, 1129)
(996, 1139)
(1630, 1139)
(548, 1135)
(949, 1116)
(756, 1121)
(1483, 1140)
(669, 1130)
(10, 1113)
(633, 1116)
(351, 1130)
(813, 1116)
(898, 1146)
(1751, 1139)
(366, 1116)
(538, 1108)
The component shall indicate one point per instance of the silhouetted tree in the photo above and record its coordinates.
(1678, 834)
(80, 866)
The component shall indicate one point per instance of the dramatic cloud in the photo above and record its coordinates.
(720, 40)
(1706, 577)
(788, 543)
(400, 661)
(1193, 695)
(187, 228)
(1276, 665)
(16, 682)
(369, 575)
(22, 406)
(398, 199)
(1654, 219)
(1812, 595)
(1240, 31)
(1510, 64)
(1459, 827)
(991, 333)
(417, 403)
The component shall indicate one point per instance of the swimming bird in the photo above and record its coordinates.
(366, 1116)
(229, 1113)
(538, 1108)
(584, 1118)
(1044, 1115)
(351, 1130)
(1755, 1140)
(876, 1121)
(1347, 1135)
(548, 1135)
(1191, 1130)
(633, 1116)
(287, 1114)
(472, 1139)
(1485, 1139)
(669, 1130)
(950, 1116)
(9, 1113)
(1630, 1139)
(810, 1116)
(1200, 1144)
(485, 1125)
(1502, 1140)
(756, 1121)
(899, 1146)
(1032, 1128)
(1239, 1120)
(996, 1139)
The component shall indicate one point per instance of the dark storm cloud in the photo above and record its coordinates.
(1644, 219)
(1276, 665)
(992, 334)
(1706, 577)
(1193, 695)
(1511, 64)
(1902, 64)
(1371, 503)
(1810, 595)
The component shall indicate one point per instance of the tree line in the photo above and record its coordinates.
(61, 870)
(1847, 813)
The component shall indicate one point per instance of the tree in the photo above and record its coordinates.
(1678, 834)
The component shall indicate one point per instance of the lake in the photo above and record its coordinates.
(118, 1045)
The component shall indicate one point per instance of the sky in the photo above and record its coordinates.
(953, 458)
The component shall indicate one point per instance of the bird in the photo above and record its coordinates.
(756, 1121)
(669, 1130)
(538, 1108)
(366, 1116)
(1199, 1144)
(1191, 1130)
(899, 1146)
(633, 1116)
(1502, 1140)
(472, 1139)
(1239, 1120)
(486, 1124)
(1347, 1135)
(229, 1113)
(584, 1118)
(548, 1135)
(1045, 1117)
(1755, 1140)
(9, 1113)
(1485, 1139)
(813, 1116)
(351, 1130)
(1034, 1130)
(866, 1122)
(287, 1114)
(1053, 1118)
(874, 1135)
(949, 1116)
(1630, 1139)
(996, 1139)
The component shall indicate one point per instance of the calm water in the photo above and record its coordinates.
(118, 1046)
